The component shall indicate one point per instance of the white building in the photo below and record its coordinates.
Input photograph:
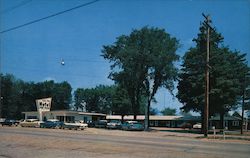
(65, 115)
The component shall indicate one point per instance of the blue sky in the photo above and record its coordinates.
(34, 52)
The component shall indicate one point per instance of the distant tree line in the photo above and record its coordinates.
(106, 99)
(19, 96)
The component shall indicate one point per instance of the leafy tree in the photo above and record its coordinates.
(225, 76)
(185, 114)
(7, 86)
(19, 96)
(153, 111)
(98, 99)
(168, 111)
(120, 102)
(143, 62)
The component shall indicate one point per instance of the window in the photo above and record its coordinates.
(156, 123)
(70, 119)
(236, 123)
(173, 124)
(60, 118)
(168, 123)
(151, 123)
(85, 119)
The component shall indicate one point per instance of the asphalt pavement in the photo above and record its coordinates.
(17, 142)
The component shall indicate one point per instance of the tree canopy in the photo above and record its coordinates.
(227, 69)
(19, 96)
(98, 99)
(168, 111)
(142, 62)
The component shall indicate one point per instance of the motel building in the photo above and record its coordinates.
(65, 115)
(44, 113)
(159, 121)
(155, 120)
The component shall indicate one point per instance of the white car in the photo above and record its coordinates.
(82, 123)
(75, 125)
(197, 126)
(30, 123)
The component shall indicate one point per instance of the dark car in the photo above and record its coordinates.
(51, 124)
(186, 125)
(8, 122)
(91, 124)
(101, 124)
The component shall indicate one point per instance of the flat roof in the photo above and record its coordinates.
(66, 112)
(142, 117)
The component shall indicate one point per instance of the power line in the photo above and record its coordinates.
(16, 6)
(50, 16)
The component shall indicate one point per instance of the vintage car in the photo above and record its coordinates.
(197, 126)
(8, 122)
(101, 124)
(82, 123)
(30, 123)
(114, 124)
(132, 126)
(74, 125)
(52, 123)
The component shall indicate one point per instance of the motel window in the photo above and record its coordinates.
(236, 123)
(85, 119)
(70, 118)
(60, 118)
(156, 123)
(173, 124)
(168, 123)
(32, 117)
(151, 123)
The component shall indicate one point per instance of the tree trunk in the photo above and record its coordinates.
(133, 107)
(202, 120)
(242, 112)
(222, 121)
(146, 122)
(122, 118)
(135, 116)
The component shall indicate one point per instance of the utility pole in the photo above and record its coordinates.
(243, 107)
(206, 108)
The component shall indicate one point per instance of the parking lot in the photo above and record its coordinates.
(36, 142)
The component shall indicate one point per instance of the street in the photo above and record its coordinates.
(17, 142)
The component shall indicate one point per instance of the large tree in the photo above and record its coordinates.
(226, 69)
(142, 62)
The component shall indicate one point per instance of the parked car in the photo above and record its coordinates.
(101, 124)
(74, 125)
(53, 123)
(197, 126)
(8, 122)
(82, 123)
(186, 125)
(114, 124)
(132, 125)
(2, 120)
(91, 123)
(30, 123)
